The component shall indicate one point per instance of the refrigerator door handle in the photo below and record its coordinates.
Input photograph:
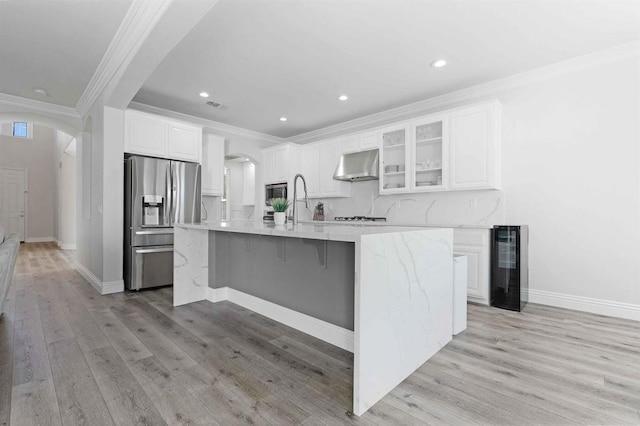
(168, 219)
(174, 193)
(154, 250)
(163, 231)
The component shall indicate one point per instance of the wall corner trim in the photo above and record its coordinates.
(107, 287)
(317, 328)
(586, 304)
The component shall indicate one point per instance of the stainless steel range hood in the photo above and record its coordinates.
(358, 166)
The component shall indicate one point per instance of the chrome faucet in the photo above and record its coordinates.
(295, 196)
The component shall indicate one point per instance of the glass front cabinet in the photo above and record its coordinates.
(452, 150)
(394, 155)
(414, 156)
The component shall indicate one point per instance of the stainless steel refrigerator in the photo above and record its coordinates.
(158, 193)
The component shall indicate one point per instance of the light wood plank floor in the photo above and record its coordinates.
(70, 356)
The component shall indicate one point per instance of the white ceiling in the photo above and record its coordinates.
(55, 45)
(266, 59)
(269, 58)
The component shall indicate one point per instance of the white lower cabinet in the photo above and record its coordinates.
(212, 165)
(474, 243)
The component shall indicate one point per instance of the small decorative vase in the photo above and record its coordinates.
(279, 218)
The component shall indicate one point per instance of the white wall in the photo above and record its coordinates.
(99, 231)
(571, 171)
(66, 193)
(37, 156)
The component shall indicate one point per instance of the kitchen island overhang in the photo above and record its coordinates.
(402, 280)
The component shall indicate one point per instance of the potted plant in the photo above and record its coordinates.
(280, 206)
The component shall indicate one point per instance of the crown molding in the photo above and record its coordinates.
(138, 22)
(209, 125)
(18, 103)
(472, 94)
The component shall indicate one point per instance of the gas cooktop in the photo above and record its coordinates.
(360, 219)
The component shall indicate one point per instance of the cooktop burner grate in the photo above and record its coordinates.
(360, 219)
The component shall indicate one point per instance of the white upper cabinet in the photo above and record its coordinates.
(368, 140)
(212, 165)
(475, 147)
(360, 142)
(453, 150)
(330, 152)
(280, 163)
(394, 158)
(429, 152)
(310, 168)
(157, 136)
(248, 184)
(145, 134)
(185, 142)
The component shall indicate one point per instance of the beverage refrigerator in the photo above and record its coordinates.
(509, 267)
(158, 193)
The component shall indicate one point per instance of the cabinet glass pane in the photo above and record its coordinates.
(394, 146)
(428, 167)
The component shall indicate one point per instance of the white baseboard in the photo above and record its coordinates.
(67, 246)
(586, 304)
(109, 287)
(106, 287)
(319, 329)
(40, 240)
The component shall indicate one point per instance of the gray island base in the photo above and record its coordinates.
(383, 293)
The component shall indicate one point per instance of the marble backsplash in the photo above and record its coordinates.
(481, 207)
(455, 208)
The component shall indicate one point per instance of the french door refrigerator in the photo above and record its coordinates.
(158, 193)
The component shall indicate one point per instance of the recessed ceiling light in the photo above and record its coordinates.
(343, 97)
(283, 118)
(41, 92)
(204, 94)
(439, 63)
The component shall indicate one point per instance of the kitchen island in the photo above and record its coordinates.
(384, 293)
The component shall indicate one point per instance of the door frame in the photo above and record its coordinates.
(25, 172)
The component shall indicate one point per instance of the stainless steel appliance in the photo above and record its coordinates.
(360, 219)
(158, 193)
(358, 166)
(275, 190)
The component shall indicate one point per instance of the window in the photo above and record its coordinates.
(20, 129)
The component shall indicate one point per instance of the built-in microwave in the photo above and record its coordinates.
(275, 190)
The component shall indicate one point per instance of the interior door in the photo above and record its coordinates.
(12, 201)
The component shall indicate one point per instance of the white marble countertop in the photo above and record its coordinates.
(332, 231)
